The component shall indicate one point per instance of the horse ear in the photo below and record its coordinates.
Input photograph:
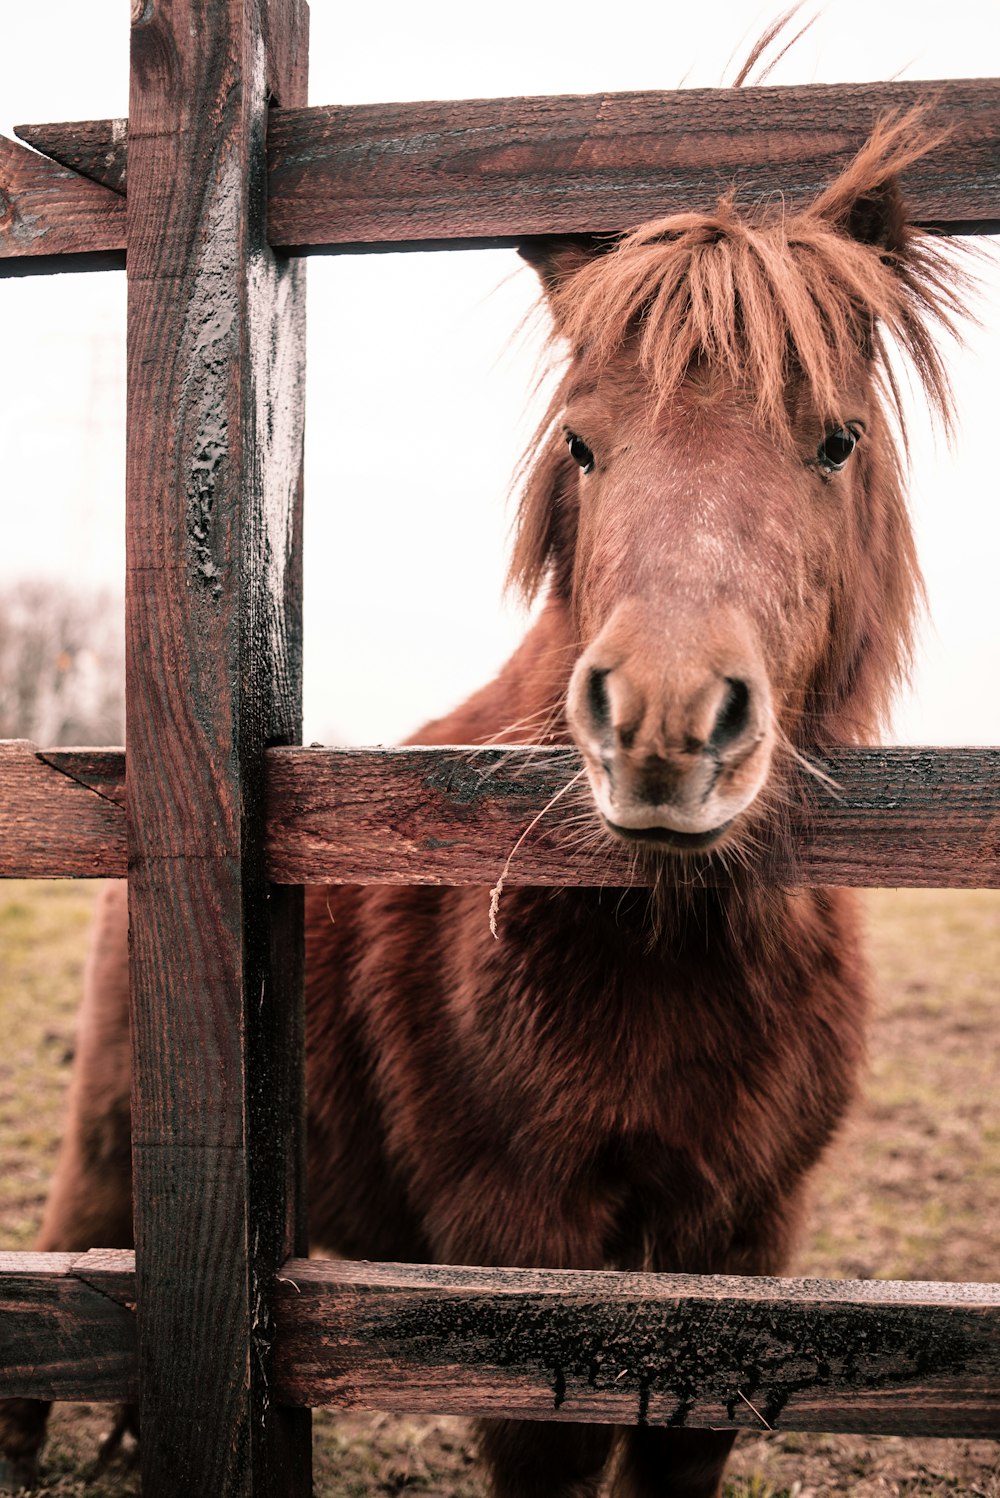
(555, 258)
(865, 200)
(878, 218)
(871, 212)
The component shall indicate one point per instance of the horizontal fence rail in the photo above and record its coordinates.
(642, 1348)
(668, 1350)
(62, 812)
(67, 1325)
(908, 1358)
(405, 174)
(491, 171)
(888, 816)
(54, 219)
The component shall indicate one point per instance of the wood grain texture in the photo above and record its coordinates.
(48, 211)
(492, 171)
(61, 814)
(506, 168)
(100, 770)
(67, 1326)
(213, 653)
(835, 1355)
(898, 816)
(901, 816)
(907, 1358)
(97, 149)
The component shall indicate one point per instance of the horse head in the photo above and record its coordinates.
(717, 491)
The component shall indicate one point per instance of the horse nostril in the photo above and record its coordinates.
(733, 717)
(597, 698)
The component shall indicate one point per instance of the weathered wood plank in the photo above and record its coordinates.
(493, 170)
(61, 814)
(97, 149)
(901, 816)
(100, 770)
(403, 174)
(48, 212)
(67, 1326)
(216, 365)
(906, 1358)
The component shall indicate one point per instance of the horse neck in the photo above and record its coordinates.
(524, 702)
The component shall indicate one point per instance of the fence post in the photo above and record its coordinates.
(215, 390)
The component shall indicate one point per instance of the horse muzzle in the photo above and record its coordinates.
(677, 740)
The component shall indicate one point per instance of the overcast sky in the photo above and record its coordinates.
(417, 406)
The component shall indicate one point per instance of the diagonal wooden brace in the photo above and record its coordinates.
(97, 149)
(61, 813)
(49, 211)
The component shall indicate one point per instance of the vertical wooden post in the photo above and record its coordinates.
(216, 368)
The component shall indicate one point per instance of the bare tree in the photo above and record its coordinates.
(62, 664)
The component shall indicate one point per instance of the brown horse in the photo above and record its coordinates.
(715, 507)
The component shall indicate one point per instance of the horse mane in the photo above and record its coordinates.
(779, 302)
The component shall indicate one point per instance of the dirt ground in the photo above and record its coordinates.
(910, 1190)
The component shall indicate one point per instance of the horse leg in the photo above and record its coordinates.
(22, 1433)
(90, 1200)
(540, 1459)
(671, 1463)
(512, 1224)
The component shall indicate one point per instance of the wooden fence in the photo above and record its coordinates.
(221, 1332)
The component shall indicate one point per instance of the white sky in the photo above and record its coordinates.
(417, 405)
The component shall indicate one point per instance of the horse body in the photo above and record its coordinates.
(576, 1094)
(629, 1078)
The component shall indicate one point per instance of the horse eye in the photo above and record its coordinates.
(836, 448)
(580, 452)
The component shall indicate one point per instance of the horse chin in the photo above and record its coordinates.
(669, 839)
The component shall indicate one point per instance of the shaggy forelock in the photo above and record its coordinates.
(767, 297)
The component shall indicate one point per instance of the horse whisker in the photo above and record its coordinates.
(497, 889)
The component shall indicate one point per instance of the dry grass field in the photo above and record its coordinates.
(910, 1190)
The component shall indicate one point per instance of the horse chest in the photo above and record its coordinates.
(567, 1075)
(642, 1062)
(672, 1072)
